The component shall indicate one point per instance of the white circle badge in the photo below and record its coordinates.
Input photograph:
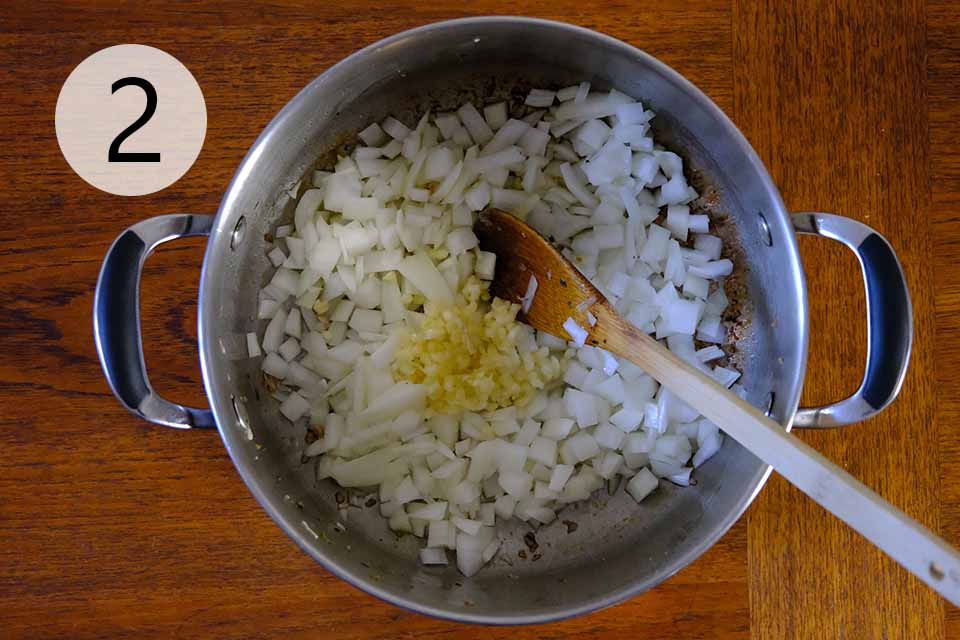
(131, 120)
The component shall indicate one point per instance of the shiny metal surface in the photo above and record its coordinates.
(116, 319)
(889, 321)
(620, 548)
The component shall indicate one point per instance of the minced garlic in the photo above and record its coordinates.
(468, 355)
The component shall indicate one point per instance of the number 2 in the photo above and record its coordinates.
(114, 154)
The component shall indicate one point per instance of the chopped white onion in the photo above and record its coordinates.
(477, 127)
(294, 407)
(529, 295)
(642, 484)
(495, 115)
(253, 347)
(576, 186)
(431, 556)
(395, 129)
(582, 91)
(540, 98)
(713, 270)
(391, 227)
(709, 353)
(577, 333)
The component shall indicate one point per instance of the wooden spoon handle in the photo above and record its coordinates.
(915, 547)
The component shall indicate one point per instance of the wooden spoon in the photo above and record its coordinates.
(561, 293)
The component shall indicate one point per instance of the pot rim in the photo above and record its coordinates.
(220, 406)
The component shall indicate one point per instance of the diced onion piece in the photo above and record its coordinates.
(517, 484)
(289, 349)
(366, 320)
(447, 123)
(544, 451)
(557, 428)
(577, 186)
(709, 353)
(711, 245)
(253, 347)
(627, 420)
(504, 506)
(460, 240)
(682, 477)
(725, 376)
(713, 270)
(470, 550)
(608, 436)
(431, 512)
(273, 335)
(534, 141)
(699, 223)
(707, 449)
(274, 365)
(373, 136)
(430, 556)
(403, 396)
(642, 484)
(674, 191)
(294, 407)
(632, 113)
(581, 446)
(277, 256)
(540, 98)
(711, 329)
(655, 248)
(508, 135)
(678, 221)
(577, 333)
(477, 197)
(470, 527)
(583, 406)
(681, 316)
(406, 492)
(464, 493)
(395, 129)
(345, 262)
(559, 476)
(583, 90)
(420, 270)
(267, 308)
(527, 299)
(479, 129)
(495, 114)
(486, 264)
(292, 325)
(497, 160)
(596, 106)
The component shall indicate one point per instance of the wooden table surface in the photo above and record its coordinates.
(110, 527)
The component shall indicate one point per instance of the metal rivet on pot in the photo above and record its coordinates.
(936, 572)
(240, 412)
(768, 409)
(238, 232)
(765, 235)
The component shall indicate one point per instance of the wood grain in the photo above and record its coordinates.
(112, 528)
(833, 98)
(943, 64)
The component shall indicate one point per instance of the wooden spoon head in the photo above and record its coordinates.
(562, 290)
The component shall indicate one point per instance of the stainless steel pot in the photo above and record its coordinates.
(620, 548)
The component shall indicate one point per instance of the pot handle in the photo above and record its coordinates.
(116, 319)
(889, 321)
